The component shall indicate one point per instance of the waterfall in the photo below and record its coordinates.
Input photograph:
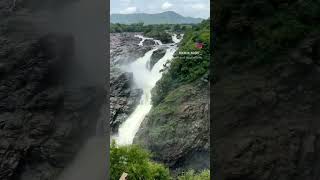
(175, 38)
(142, 39)
(146, 80)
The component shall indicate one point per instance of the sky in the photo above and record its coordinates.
(191, 8)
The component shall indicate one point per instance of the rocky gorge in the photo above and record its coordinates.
(124, 96)
(176, 130)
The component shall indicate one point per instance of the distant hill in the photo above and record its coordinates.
(168, 17)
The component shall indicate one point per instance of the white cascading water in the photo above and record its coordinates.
(146, 80)
(146, 38)
(175, 38)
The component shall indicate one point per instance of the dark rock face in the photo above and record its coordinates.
(124, 48)
(149, 42)
(265, 113)
(123, 98)
(42, 122)
(177, 130)
(43, 119)
(156, 56)
(275, 122)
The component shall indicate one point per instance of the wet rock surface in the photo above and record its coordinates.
(124, 97)
(43, 119)
(149, 42)
(42, 122)
(177, 130)
(274, 129)
(265, 114)
(156, 56)
(124, 48)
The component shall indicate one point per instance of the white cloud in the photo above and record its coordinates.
(129, 10)
(200, 7)
(166, 5)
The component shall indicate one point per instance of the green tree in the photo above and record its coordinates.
(136, 162)
(184, 70)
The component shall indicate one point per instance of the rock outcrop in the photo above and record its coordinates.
(177, 131)
(265, 99)
(156, 56)
(123, 98)
(124, 48)
(44, 120)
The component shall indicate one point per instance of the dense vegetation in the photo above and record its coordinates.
(163, 36)
(141, 27)
(137, 164)
(184, 70)
(177, 126)
(154, 31)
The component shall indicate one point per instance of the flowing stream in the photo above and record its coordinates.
(175, 38)
(145, 79)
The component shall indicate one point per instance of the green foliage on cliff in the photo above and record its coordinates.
(118, 28)
(140, 27)
(163, 36)
(136, 162)
(157, 31)
(186, 68)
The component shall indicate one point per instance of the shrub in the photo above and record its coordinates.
(184, 70)
(136, 162)
(160, 35)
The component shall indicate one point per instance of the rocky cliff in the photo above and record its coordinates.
(177, 129)
(44, 119)
(124, 96)
(265, 99)
(124, 48)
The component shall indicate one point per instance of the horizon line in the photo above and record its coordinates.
(158, 13)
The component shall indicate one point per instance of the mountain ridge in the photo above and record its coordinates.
(167, 17)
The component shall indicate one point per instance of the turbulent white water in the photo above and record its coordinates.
(158, 42)
(146, 80)
(175, 38)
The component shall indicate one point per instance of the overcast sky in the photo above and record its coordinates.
(192, 8)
